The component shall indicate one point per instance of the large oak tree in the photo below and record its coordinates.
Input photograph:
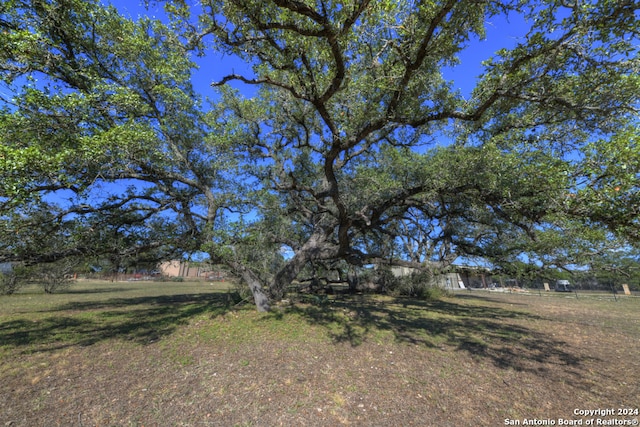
(355, 147)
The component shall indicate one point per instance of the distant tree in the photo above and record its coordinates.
(615, 267)
(12, 279)
(54, 277)
(355, 149)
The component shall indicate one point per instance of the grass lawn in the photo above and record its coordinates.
(181, 354)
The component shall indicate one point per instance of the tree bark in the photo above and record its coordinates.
(315, 248)
(260, 298)
(287, 274)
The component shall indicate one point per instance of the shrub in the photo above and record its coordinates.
(238, 294)
(417, 285)
(431, 292)
(54, 277)
(9, 283)
(13, 279)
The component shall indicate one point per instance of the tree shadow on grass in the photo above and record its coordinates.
(142, 320)
(497, 297)
(500, 335)
(97, 290)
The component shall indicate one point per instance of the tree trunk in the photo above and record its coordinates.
(259, 297)
(316, 248)
(255, 285)
(287, 274)
(353, 280)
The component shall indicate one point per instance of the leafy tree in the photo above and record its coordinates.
(101, 134)
(338, 157)
(615, 266)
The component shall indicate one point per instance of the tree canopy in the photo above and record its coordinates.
(356, 146)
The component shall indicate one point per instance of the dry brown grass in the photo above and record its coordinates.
(178, 355)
